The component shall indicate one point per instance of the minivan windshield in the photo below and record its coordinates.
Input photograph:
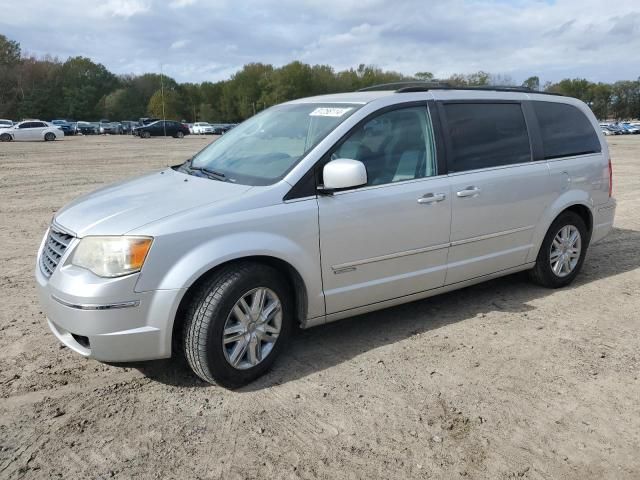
(261, 150)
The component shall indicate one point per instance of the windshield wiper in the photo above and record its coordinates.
(209, 173)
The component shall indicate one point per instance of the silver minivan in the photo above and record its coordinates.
(320, 209)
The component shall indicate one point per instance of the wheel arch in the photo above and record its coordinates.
(578, 203)
(290, 273)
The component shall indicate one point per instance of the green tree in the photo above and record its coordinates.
(532, 83)
(84, 84)
(171, 108)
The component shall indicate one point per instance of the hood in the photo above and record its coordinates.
(120, 208)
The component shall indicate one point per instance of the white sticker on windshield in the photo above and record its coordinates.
(329, 112)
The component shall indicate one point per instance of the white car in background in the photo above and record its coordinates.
(202, 128)
(4, 123)
(31, 130)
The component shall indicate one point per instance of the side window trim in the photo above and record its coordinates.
(447, 138)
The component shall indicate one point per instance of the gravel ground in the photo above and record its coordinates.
(500, 380)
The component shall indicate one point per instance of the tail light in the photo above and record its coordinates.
(610, 178)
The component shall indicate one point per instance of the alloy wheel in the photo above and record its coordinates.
(565, 251)
(252, 328)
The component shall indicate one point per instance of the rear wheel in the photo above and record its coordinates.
(49, 137)
(5, 137)
(237, 324)
(562, 252)
(179, 135)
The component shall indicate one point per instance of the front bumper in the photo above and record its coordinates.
(107, 319)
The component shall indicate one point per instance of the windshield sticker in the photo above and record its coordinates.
(329, 112)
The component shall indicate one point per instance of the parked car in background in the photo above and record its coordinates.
(86, 128)
(610, 129)
(202, 128)
(5, 123)
(219, 128)
(109, 128)
(31, 130)
(266, 229)
(629, 127)
(147, 120)
(64, 125)
(161, 128)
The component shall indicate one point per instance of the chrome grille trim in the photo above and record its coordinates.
(54, 249)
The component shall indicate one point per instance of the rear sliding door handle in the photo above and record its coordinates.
(428, 198)
(469, 192)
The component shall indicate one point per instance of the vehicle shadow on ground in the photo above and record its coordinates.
(325, 346)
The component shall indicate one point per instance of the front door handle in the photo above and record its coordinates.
(429, 198)
(469, 192)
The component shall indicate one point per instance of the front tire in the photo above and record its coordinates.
(562, 252)
(5, 137)
(237, 323)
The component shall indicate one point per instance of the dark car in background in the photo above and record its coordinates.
(86, 128)
(162, 128)
(128, 126)
(64, 125)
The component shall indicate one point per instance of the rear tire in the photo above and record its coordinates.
(5, 137)
(49, 137)
(224, 344)
(179, 135)
(562, 252)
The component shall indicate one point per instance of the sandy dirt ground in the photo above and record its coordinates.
(498, 381)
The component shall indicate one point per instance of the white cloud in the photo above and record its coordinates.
(178, 44)
(182, 3)
(124, 8)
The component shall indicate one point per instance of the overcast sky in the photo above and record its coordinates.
(199, 40)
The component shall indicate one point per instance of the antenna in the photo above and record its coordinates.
(164, 123)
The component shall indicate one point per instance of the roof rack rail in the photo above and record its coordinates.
(418, 86)
(397, 86)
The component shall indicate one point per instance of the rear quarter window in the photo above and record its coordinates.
(565, 130)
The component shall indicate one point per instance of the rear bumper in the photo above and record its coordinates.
(603, 216)
(108, 321)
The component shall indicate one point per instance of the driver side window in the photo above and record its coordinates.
(394, 146)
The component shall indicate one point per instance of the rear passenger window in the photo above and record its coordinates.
(565, 130)
(486, 135)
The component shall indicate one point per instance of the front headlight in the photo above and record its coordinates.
(111, 256)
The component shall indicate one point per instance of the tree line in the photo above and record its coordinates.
(81, 89)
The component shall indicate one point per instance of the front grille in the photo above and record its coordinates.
(54, 248)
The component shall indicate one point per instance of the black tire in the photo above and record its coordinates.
(49, 137)
(207, 313)
(179, 135)
(145, 135)
(542, 273)
(5, 137)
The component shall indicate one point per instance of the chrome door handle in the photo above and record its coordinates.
(428, 198)
(468, 192)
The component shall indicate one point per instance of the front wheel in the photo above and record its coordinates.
(562, 252)
(145, 135)
(5, 137)
(237, 323)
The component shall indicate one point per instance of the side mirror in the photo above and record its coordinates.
(342, 174)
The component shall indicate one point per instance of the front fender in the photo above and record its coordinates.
(564, 201)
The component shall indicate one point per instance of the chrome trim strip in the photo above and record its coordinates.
(388, 257)
(491, 235)
(90, 306)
